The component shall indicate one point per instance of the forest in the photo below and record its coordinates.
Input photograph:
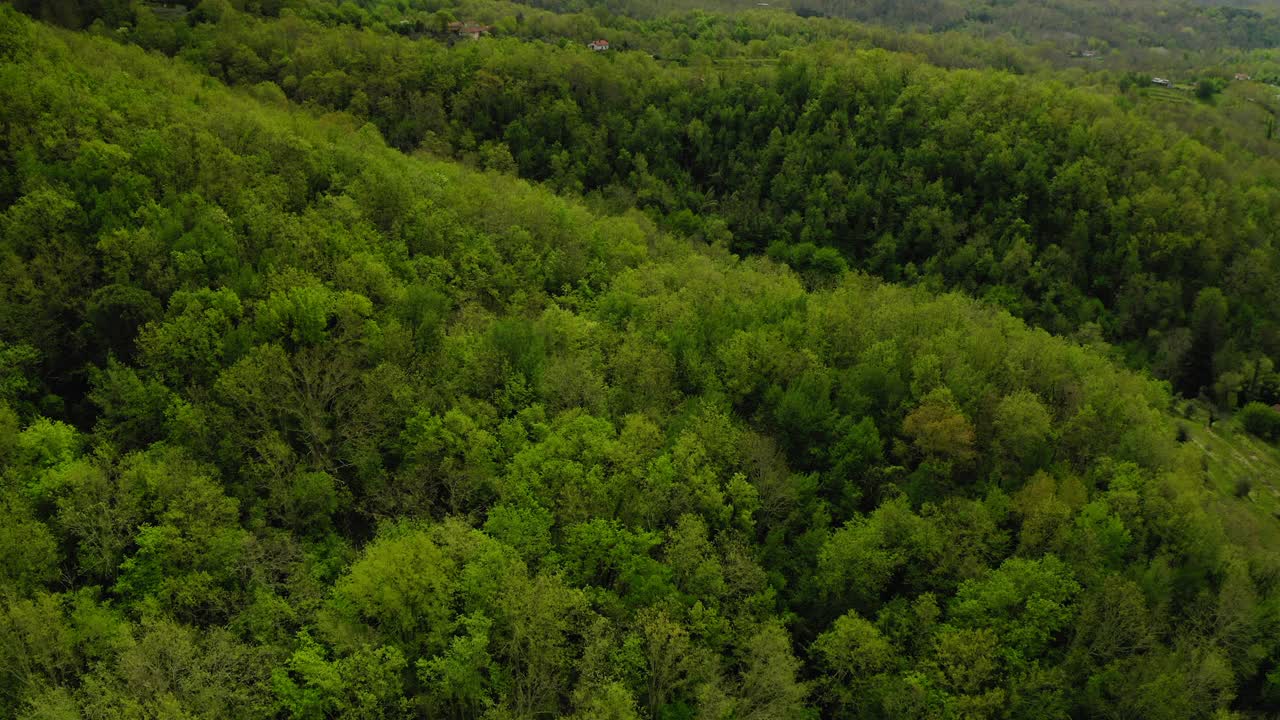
(1046, 199)
(761, 366)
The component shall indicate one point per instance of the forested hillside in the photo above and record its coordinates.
(1184, 25)
(309, 408)
(1052, 201)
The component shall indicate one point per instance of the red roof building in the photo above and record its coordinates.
(469, 29)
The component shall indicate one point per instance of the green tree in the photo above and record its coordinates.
(1261, 420)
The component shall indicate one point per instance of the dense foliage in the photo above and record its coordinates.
(1052, 201)
(295, 424)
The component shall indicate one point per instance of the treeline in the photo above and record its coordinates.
(684, 37)
(295, 425)
(1133, 35)
(1177, 25)
(1051, 201)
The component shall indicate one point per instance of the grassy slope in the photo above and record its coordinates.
(1232, 457)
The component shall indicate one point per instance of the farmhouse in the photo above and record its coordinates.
(469, 29)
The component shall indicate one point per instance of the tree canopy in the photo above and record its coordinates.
(305, 416)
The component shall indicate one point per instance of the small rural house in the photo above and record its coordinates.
(598, 45)
(469, 29)
(1242, 76)
(1162, 82)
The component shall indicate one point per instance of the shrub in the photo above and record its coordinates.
(1260, 420)
(1243, 487)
